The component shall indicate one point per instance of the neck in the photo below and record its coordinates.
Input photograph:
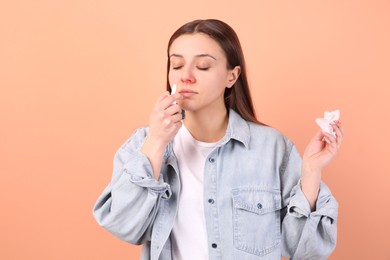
(205, 126)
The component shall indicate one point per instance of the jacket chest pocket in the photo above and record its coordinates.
(256, 220)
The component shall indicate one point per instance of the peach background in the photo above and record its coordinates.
(77, 77)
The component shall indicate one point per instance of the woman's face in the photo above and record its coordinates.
(198, 67)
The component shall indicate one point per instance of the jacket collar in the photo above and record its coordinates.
(238, 129)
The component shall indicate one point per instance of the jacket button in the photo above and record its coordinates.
(212, 160)
(214, 245)
(259, 206)
(211, 201)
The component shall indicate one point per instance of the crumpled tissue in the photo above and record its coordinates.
(329, 117)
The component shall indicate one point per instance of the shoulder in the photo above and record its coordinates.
(268, 136)
(271, 143)
(256, 135)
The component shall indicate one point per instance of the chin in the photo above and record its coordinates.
(184, 105)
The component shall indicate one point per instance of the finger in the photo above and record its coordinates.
(318, 136)
(172, 120)
(176, 126)
(157, 105)
(169, 112)
(163, 96)
(331, 142)
(173, 110)
(341, 128)
(177, 117)
(337, 128)
(169, 100)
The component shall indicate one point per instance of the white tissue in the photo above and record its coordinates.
(329, 117)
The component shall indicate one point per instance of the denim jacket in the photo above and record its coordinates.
(253, 203)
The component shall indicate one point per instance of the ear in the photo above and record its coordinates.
(233, 76)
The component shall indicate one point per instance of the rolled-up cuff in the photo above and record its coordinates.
(326, 204)
(141, 174)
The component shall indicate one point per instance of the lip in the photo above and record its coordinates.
(187, 92)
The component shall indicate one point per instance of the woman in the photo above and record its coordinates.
(218, 184)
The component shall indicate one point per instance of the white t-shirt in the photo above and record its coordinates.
(189, 236)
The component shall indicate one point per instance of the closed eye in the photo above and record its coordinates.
(176, 67)
(203, 68)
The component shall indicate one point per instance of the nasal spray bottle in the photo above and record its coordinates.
(173, 91)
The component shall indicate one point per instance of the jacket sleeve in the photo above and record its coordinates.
(128, 205)
(306, 234)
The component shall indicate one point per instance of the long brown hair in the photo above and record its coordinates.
(237, 97)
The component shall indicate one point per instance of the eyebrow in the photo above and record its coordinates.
(197, 56)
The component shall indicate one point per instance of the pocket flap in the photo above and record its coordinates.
(256, 200)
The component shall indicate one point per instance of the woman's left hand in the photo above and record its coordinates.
(322, 148)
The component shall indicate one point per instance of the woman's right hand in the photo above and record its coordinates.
(165, 119)
(164, 123)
